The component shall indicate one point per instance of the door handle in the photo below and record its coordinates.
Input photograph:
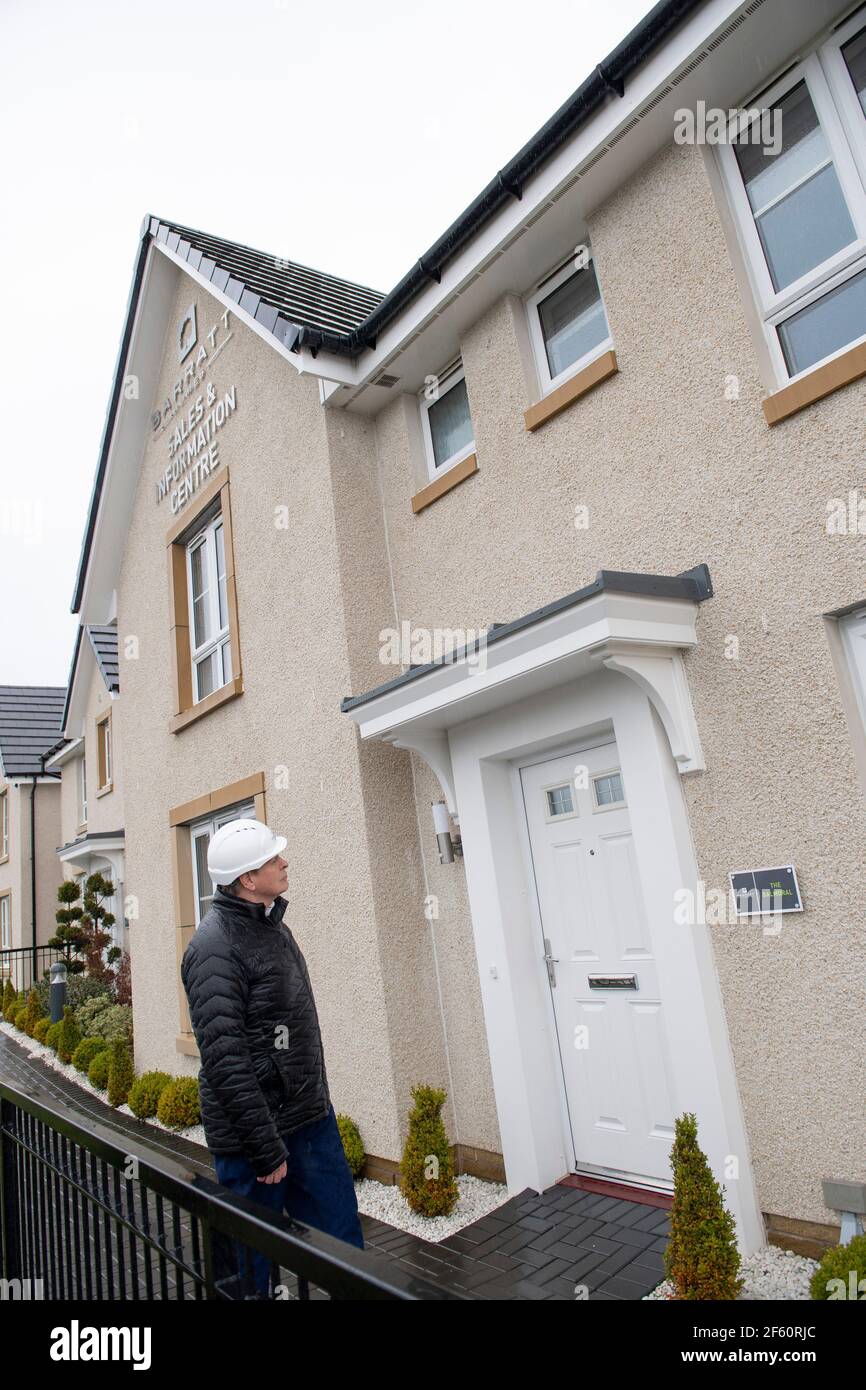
(550, 961)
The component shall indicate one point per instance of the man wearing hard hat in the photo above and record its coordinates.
(265, 1105)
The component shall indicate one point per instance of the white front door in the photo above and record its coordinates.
(610, 1017)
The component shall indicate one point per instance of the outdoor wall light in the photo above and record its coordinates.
(449, 844)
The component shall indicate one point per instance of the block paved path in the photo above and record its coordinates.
(540, 1246)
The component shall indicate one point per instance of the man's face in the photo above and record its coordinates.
(272, 878)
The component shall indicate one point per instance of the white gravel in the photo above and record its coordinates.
(769, 1273)
(477, 1198)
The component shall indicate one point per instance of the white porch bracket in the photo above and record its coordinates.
(436, 752)
(661, 676)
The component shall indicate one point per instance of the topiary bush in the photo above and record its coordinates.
(10, 998)
(145, 1092)
(842, 1272)
(97, 1072)
(179, 1106)
(42, 1026)
(69, 1036)
(18, 1015)
(352, 1145)
(52, 1036)
(121, 1072)
(85, 1052)
(701, 1257)
(427, 1175)
(33, 1012)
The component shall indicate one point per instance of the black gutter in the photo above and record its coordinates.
(111, 415)
(694, 584)
(609, 79)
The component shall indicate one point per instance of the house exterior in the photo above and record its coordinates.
(89, 763)
(527, 601)
(29, 823)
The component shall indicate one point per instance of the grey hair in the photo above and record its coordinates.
(232, 887)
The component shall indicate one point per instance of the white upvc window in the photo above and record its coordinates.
(567, 322)
(201, 832)
(445, 420)
(209, 614)
(82, 790)
(852, 629)
(5, 923)
(4, 824)
(799, 201)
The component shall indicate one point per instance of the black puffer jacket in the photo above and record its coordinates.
(244, 977)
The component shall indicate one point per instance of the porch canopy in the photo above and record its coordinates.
(637, 624)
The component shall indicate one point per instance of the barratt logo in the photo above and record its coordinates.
(199, 356)
(187, 336)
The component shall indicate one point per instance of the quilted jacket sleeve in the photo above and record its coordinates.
(216, 986)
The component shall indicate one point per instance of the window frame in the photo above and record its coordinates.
(857, 668)
(104, 762)
(847, 150)
(82, 790)
(219, 641)
(4, 824)
(213, 504)
(548, 286)
(448, 378)
(6, 902)
(599, 808)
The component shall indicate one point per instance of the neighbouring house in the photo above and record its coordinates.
(527, 601)
(88, 761)
(30, 719)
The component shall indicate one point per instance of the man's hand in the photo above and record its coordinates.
(277, 1175)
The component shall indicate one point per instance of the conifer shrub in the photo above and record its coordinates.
(33, 1012)
(85, 1052)
(145, 1092)
(841, 1271)
(427, 1174)
(52, 1037)
(701, 1258)
(121, 1071)
(18, 1015)
(10, 998)
(179, 1106)
(353, 1148)
(42, 1026)
(69, 1036)
(97, 1072)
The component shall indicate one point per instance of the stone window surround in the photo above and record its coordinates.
(186, 709)
(180, 818)
(102, 719)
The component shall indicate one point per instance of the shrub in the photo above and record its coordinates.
(90, 1011)
(79, 990)
(52, 1036)
(10, 998)
(121, 1072)
(33, 1012)
(145, 1092)
(701, 1258)
(18, 1015)
(840, 1272)
(352, 1145)
(178, 1106)
(107, 1020)
(97, 1072)
(427, 1176)
(85, 1052)
(42, 1026)
(69, 1036)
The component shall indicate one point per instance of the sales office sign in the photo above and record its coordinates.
(191, 421)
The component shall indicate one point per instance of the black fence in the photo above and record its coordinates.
(26, 965)
(85, 1217)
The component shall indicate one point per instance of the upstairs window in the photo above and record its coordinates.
(82, 791)
(103, 752)
(4, 824)
(449, 436)
(567, 323)
(209, 617)
(796, 177)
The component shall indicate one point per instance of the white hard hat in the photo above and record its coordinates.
(240, 846)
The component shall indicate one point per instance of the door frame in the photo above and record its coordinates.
(525, 1065)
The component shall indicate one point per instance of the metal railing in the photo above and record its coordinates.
(83, 1216)
(25, 965)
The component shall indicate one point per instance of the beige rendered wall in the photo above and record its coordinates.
(10, 866)
(70, 802)
(349, 820)
(15, 874)
(673, 474)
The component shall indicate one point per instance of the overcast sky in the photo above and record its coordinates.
(347, 138)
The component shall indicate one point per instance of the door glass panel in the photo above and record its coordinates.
(825, 326)
(573, 320)
(795, 194)
(450, 424)
(854, 54)
(559, 800)
(608, 789)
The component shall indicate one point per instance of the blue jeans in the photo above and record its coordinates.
(318, 1188)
